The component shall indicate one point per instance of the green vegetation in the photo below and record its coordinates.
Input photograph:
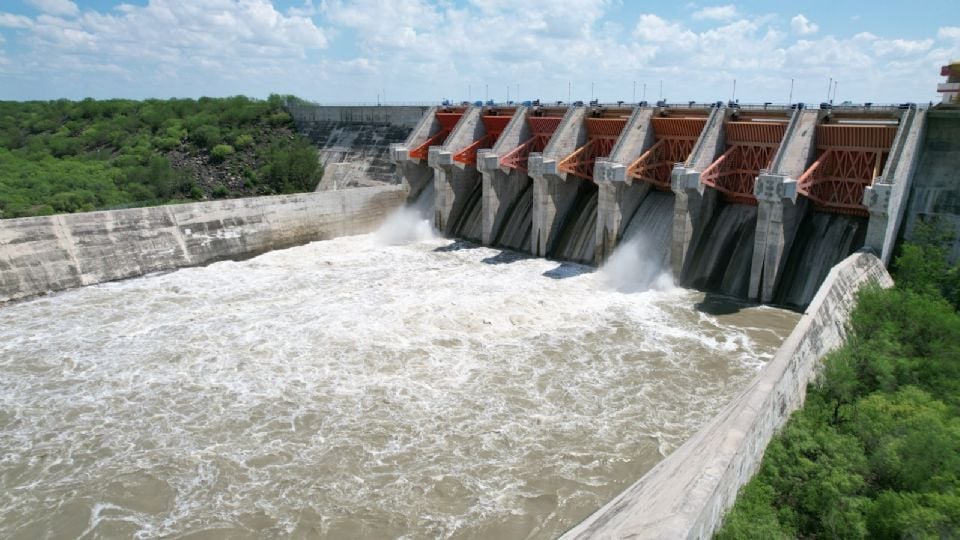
(75, 156)
(875, 451)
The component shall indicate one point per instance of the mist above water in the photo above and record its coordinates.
(635, 267)
(405, 225)
(641, 261)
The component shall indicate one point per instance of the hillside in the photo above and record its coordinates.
(75, 156)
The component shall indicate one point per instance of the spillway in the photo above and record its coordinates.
(515, 233)
(353, 389)
(721, 260)
(468, 223)
(823, 240)
(577, 239)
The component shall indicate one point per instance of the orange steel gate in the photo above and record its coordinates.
(542, 128)
(849, 158)
(494, 126)
(675, 138)
(447, 120)
(602, 134)
(750, 148)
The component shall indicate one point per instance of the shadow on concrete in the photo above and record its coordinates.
(457, 245)
(718, 304)
(506, 257)
(568, 270)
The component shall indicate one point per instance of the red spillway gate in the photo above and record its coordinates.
(674, 138)
(494, 125)
(448, 120)
(849, 158)
(541, 129)
(602, 134)
(750, 148)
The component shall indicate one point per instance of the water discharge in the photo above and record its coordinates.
(515, 232)
(577, 239)
(353, 388)
(823, 240)
(641, 261)
(721, 261)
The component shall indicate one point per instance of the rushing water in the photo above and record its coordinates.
(577, 238)
(353, 389)
(517, 227)
(822, 241)
(469, 222)
(642, 260)
(721, 261)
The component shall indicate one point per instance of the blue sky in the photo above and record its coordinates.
(336, 51)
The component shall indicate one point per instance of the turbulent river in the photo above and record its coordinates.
(355, 389)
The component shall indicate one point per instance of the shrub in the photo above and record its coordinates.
(221, 152)
(243, 141)
(205, 136)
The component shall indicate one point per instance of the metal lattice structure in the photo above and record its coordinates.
(674, 138)
(750, 149)
(494, 126)
(602, 134)
(849, 158)
(447, 121)
(541, 128)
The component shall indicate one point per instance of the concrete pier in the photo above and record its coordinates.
(553, 195)
(887, 198)
(454, 183)
(415, 173)
(620, 195)
(779, 212)
(685, 183)
(502, 185)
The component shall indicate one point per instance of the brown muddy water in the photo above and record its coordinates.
(355, 389)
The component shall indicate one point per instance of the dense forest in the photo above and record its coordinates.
(875, 451)
(76, 156)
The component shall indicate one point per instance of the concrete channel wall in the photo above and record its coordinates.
(687, 494)
(51, 253)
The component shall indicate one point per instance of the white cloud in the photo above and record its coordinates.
(652, 28)
(9, 20)
(901, 47)
(716, 13)
(56, 7)
(949, 32)
(428, 49)
(802, 26)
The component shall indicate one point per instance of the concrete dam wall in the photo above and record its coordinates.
(935, 192)
(354, 141)
(759, 202)
(51, 253)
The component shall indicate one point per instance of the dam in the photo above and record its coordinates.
(571, 327)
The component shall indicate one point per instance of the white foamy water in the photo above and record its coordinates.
(633, 268)
(351, 389)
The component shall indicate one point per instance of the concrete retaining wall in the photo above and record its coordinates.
(45, 254)
(395, 115)
(354, 141)
(686, 494)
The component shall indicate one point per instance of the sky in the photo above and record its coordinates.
(362, 51)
